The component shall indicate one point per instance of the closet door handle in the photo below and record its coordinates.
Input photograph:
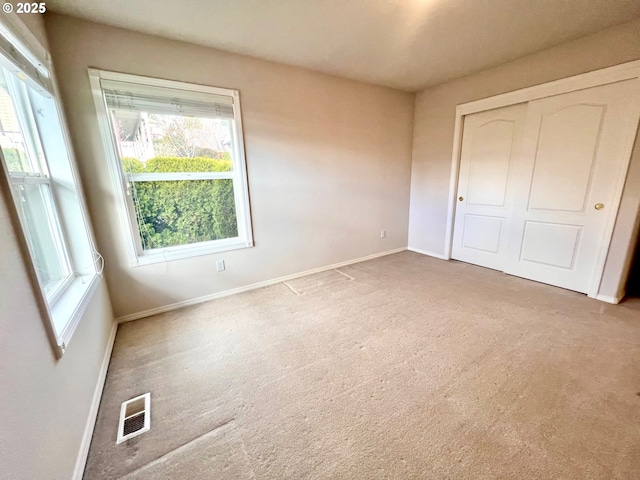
(599, 206)
(461, 198)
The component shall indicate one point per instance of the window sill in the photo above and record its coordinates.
(68, 309)
(177, 253)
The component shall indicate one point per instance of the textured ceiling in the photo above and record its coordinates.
(406, 44)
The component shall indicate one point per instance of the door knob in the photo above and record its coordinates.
(461, 198)
(599, 206)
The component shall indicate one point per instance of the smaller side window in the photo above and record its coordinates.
(40, 175)
(31, 186)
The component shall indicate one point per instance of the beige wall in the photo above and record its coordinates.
(434, 125)
(45, 402)
(328, 161)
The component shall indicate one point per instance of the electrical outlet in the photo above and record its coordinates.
(383, 234)
(220, 265)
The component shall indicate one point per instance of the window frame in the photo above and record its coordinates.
(137, 256)
(61, 312)
(35, 153)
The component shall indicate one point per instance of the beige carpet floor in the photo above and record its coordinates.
(402, 367)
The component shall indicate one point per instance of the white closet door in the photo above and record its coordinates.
(490, 144)
(575, 152)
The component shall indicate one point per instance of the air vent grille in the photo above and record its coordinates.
(135, 417)
(133, 424)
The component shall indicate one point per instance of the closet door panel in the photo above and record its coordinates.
(564, 161)
(485, 194)
(489, 159)
(574, 157)
(550, 244)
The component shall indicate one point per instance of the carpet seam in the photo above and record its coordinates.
(342, 273)
(292, 289)
(181, 447)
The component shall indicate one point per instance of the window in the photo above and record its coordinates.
(178, 160)
(32, 186)
(41, 178)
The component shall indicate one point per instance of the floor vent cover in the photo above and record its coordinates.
(135, 417)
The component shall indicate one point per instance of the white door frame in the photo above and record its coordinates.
(625, 71)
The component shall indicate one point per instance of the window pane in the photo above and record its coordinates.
(171, 213)
(178, 212)
(43, 235)
(12, 141)
(157, 143)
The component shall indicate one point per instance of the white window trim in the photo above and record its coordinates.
(128, 224)
(61, 316)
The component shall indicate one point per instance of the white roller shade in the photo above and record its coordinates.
(25, 68)
(169, 101)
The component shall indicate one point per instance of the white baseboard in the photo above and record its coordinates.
(424, 252)
(81, 461)
(253, 286)
(608, 299)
